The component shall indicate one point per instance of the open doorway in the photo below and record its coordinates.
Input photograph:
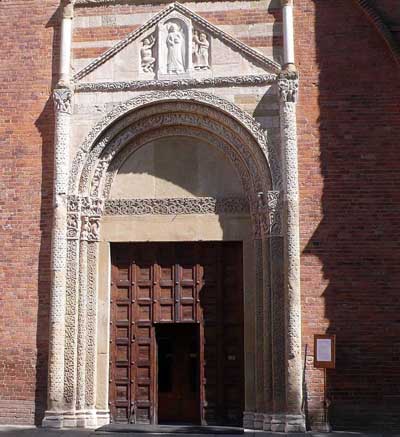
(178, 378)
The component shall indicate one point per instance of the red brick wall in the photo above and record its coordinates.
(349, 157)
(348, 119)
(26, 125)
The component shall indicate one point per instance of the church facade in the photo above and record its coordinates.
(208, 186)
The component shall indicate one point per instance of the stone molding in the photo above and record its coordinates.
(150, 85)
(110, 142)
(255, 56)
(175, 206)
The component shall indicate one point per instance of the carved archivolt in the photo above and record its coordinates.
(226, 113)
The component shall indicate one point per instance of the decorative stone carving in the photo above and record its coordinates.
(250, 126)
(174, 55)
(179, 11)
(201, 46)
(274, 206)
(234, 132)
(288, 86)
(172, 206)
(149, 85)
(73, 226)
(74, 203)
(97, 177)
(146, 54)
(176, 49)
(62, 98)
(92, 206)
(90, 228)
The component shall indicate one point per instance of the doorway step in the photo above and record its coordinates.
(168, 429)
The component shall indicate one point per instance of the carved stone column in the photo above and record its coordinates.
(53, 417)
(288, 88)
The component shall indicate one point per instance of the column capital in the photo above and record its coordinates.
(287, 3)
(288, 84)
(67, 8)
(62, 98)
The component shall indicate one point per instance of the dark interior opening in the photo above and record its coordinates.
(178, 373)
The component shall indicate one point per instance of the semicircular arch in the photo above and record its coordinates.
(127, 117)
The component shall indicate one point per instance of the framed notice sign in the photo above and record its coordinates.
(324, 351)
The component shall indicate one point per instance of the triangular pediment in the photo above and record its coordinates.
(174, 44)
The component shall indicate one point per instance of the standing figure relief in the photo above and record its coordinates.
(176, 49)
(201, 47)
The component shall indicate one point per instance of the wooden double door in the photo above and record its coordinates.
(176, 350)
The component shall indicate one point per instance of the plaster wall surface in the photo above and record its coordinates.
(155, 172)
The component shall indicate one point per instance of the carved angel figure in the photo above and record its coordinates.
(200, 51)
(175, 44)
(146, 54)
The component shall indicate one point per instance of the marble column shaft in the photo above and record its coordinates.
(62, 100)
(288, 87)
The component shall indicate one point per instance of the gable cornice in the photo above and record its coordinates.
(255, 56)
(379, 24)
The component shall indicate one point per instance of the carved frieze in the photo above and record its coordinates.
(172, 206)
(148, 85)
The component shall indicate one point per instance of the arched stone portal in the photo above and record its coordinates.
(78, 384)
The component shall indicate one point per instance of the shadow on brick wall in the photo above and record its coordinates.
(353, 85)
(45, 125)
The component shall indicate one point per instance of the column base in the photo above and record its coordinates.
(274, 422)
(248, 420)
(76, 419)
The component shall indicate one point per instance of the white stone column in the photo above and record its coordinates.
(288, 87)
(62, 101)
(288, 32)
(62, 97)
(66, 41)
